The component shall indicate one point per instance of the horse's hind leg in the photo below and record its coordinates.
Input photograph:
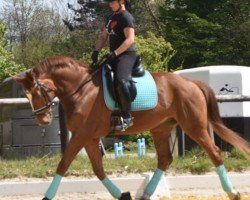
(95, 157)
(161, 137)
(205, 142)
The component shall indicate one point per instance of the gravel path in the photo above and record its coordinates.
(178, 193)
(106, 196)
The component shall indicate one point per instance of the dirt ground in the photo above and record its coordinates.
(106, 196)
(103, 195)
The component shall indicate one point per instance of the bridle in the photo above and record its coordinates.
(49, 101)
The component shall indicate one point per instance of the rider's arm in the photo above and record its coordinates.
(130, 39)
(102, 40)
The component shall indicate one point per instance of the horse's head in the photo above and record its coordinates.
(40, 93)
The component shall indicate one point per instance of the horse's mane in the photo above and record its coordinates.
(58, 62)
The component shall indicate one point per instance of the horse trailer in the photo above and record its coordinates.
(224, 80)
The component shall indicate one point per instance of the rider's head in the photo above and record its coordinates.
(117, 5)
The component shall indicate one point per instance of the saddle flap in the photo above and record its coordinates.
(109, 74)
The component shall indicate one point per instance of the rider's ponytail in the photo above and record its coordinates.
(127, 5)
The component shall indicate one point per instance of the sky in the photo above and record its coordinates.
(60, 5)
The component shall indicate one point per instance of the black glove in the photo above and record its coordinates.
(94, 56)
(110, 57)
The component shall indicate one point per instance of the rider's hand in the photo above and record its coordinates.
(110, 57)
(94, 56)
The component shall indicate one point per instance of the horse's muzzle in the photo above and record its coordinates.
(44, 119)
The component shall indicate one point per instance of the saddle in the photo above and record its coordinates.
(137, 71)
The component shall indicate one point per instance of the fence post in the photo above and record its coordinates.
(118, 150)
(141, 146)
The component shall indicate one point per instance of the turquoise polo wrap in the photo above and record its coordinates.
(225, 182)
(51, 192)
(153, 182)
(111, 187)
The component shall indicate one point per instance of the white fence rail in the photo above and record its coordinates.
(232, 98)
(13, 101)
(220, 98)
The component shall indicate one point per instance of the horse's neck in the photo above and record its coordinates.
(68, 81)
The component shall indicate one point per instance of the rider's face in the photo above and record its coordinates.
(114, 5)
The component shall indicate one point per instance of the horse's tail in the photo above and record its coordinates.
(220, 129)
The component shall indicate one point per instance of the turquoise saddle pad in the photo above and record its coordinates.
(146, 93)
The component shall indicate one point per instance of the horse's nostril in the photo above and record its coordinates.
(44, 123)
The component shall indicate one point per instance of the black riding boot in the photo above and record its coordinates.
(124, 101)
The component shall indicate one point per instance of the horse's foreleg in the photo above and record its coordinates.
(72, 149)
(161, 141)
(95, 157)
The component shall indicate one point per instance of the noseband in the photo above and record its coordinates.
(48, 101)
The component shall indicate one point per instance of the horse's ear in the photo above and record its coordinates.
(29, 76)
(20, 78)
(25, 79)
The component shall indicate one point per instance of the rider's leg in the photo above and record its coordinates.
(123, 69)
(125, 101)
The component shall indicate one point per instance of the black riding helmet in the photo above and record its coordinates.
(127, 3)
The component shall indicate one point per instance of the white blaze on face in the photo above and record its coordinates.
(29, 96)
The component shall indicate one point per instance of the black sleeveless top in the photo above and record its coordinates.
(115, 25)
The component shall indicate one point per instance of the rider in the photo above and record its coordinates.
(119, 29)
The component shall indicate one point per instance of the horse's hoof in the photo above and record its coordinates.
(234, 195)
(45, 198)
(126, 196)
(145, 197)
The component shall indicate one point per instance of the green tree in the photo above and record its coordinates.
(35, 32)
(147, 11)
(7, 65)
(233, 43)
(155, 52)
(207, 32)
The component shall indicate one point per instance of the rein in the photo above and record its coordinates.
(97, 69)
(81, 84)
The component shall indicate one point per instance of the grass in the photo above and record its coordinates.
(195, 162)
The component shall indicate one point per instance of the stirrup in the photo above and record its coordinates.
(124, 124)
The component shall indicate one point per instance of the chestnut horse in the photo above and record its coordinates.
(190, 104)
